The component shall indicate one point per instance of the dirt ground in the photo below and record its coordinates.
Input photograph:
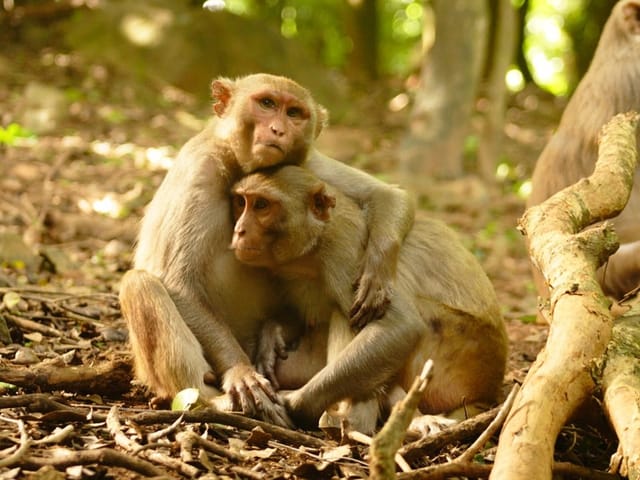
(70, 200)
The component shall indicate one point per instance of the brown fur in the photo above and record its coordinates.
(190, 306)
(443, 307)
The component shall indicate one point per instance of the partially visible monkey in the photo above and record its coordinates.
(191, 308)
(610, 86)
(313, 237)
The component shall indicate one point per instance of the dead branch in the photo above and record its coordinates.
(460, 432)
(104, 378)
(621, 386)
(386, 443)
(101, 456)
(561, 377)
(47, 403)
(209, 415)
(478, 470)
(130, 445)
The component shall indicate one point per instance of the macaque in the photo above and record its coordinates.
(313, 238)
(610, 86)
(192, 309)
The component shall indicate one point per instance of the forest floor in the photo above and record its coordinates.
(70, 201)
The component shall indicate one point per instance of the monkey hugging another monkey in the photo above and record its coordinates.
(200, 318)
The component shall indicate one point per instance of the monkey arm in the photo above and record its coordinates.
(389, 213)
(369, 361)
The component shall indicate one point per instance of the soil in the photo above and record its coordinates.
(71, 197)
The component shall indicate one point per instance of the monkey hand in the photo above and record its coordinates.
(253, 395)
(373, 293)
(271, 347)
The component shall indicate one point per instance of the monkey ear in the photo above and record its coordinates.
(631, 17)
(322, 119)
(321, 202)
(222, 90)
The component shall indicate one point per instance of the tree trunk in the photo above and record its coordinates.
(500, 55)
(561, 377)
(362, 28)
(621, 386)
(443, 104)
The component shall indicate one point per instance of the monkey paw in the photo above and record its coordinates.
(271, 347)
(373, 296)
(425, 425)
(252, 394)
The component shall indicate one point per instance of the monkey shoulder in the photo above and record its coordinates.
(435, 263)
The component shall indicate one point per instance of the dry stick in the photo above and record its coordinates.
(621, 386)
(113, 424)
(468, 455)
(190, 439)
(210, 415)
(25, 444)
(560, 378)
(478, 470)
(153, 437)
(101, 456)
(38, 402)
(387, 441)
(464, 463)
(30, 325)
(104, 378)
(459, 432)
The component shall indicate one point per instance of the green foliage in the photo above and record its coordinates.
(547, 46)
(12, 132)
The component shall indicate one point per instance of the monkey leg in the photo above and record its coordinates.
(167, 356)
(621, 273)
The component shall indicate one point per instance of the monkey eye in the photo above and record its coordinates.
(294, 112)
(260, 203)
(239, 201)
(267, 102)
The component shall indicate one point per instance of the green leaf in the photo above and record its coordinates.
(11, 300)
(185, 399)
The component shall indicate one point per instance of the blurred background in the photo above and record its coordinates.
(453, 99)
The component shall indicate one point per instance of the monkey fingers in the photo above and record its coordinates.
(372, 300)
(271, 347)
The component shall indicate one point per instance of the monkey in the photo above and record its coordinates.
(193, 311)
(313, 238)
(611, 85)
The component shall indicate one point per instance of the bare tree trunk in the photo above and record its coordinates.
(621, 385)
(362, 27)
(443, 103)
(562, 376)
(503, 47)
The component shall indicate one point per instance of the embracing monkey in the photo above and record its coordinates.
(313, 237)
(192, 309)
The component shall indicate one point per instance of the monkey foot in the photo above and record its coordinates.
(425, 425)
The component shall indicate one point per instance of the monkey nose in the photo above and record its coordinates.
(278, 131)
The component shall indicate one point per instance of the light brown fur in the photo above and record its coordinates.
(190, 306)
(443, 307)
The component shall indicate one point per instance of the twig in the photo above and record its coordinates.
(192, 439)
(25, 444)
(56, 437)
(479, 470)
(459, 432)
(387, 441)
(30, 325)
(155, 436)
(101, 456)
(122, 440)
(210, 415)
(470, 453)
